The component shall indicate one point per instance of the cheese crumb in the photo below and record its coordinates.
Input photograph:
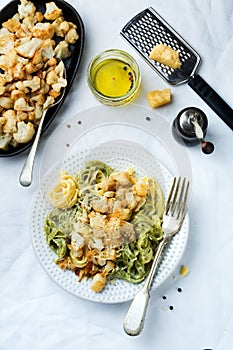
(158, 98)
(165, 55)
(184, 270)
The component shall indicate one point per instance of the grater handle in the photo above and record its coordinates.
(219, 106)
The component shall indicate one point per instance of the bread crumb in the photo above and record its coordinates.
(157, 98)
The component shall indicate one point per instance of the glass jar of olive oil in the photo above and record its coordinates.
(114, 77)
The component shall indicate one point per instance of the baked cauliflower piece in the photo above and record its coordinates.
(62, 50)
(25, 132)
(22, 105)
(12, 25)
(26, 8)
(5, 139)
(43, 31)
(6, 102)
(10, 121)
(32, 73)
(52, 11)
(29, 48)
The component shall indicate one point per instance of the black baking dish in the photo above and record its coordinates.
(71, 63)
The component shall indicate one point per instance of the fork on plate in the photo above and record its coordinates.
(173, 217)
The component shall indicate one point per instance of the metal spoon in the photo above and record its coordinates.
(25, 178)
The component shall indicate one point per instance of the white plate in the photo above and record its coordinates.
(119, 155)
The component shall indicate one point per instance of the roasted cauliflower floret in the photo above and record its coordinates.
(39, 16)
(20, 115)
(26, 8)
(27, 25)
(22, 105)
(12, 25)
(59, 69)
(52, 11)
(43, 31)
(51, 78)
(72, 36)
(38, 111)
(19, 85)
(33, 84)
(2, 90)
(25, 132)
(18, 71)
(29, 48)
(62, 50)
(9, 60)
(61, 83)
(47, 48)
(5, 139)
(64, 27)
(6, 44)
(4, 32)
(6, 102)
(16, 94)
(57, 26)
(32, 68)
(49, 101)
(37, 58)
(10, 121)
(39, 99)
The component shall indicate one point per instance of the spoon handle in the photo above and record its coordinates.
(25, 178)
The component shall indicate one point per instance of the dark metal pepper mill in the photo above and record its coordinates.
(191, 125)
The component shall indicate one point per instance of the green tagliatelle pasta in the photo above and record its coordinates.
(58, 225)
(132, 260)
(88, 178)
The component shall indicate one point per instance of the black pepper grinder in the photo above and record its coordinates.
(191, 125)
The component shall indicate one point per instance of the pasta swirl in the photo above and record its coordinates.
(65, 194)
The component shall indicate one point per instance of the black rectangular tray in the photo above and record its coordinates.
(71, 63)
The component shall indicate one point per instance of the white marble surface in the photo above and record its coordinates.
(38, 314)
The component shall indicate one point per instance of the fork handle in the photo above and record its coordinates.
(134, 320)
(135, 317)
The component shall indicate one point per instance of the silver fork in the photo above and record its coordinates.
(172, 221)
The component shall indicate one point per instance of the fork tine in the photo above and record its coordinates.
(170, 196)
(181, 208)
(185, 200)
(179, 201)
(174, 203)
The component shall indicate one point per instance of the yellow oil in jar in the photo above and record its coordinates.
(113, 78)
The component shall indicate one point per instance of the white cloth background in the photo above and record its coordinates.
(37, 314)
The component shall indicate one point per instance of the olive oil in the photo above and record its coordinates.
(113, 78)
